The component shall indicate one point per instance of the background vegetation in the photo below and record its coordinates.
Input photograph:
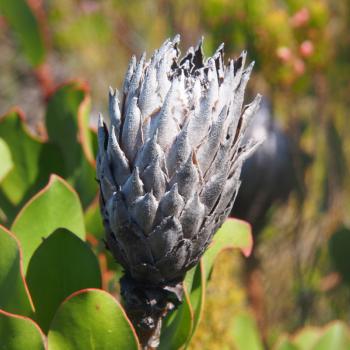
(302, 51)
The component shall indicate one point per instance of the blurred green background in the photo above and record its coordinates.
(302, 54)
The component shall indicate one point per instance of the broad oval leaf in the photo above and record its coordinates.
(233, 234)
(27, 28)
(25, 152)
(33, 161)
(6, 160)
(14, 295)
(57, 205)
(67, 121)
(62, 265)
(18, 333)
(91, 319)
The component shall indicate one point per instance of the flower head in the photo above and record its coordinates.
(170, 161)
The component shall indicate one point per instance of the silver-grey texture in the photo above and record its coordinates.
(169, 163)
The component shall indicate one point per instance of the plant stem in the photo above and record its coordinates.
(149, 337)
(146, 306)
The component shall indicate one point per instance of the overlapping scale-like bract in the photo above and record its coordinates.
(170, 161)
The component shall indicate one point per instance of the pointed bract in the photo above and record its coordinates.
(114, 111)
(133, 187)
(132, 134)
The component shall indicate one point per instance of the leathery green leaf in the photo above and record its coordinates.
(233, 234)
(33, 161)
(25, 152)
(91, 319)
(62, 265)
(67, 121)
(57, 205)
(6, 159)
(18, 333)
(14, 295)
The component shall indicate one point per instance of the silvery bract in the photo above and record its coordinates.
(170, 161)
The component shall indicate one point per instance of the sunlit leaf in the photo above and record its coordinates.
(67, 120)
(62, 265)
(14, 295)
(33, 161)
(18, 333)
(233, 234)
(25, 151)
(91, 319)
(6, 160)
(57, 205)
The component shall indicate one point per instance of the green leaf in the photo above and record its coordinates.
(25, 151)
(93, 220)
(91, 319)
(18, 333)
(62, 265)
(307, 338)
(245, 333)
(177, 327)
(335, 336)
(57, 205)
(6, 160)
(67, 120)
(14, 295)
(233, 234)
(26, 27)
(33, 162)
(196, 285)
(339, 247)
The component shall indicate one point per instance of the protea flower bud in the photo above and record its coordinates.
(170, 161)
